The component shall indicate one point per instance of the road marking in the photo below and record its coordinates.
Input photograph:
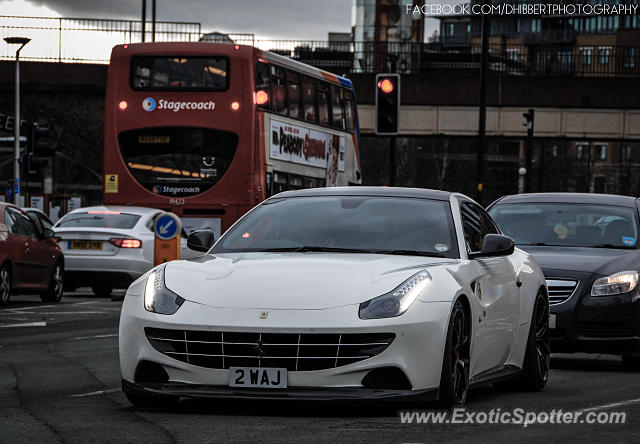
(611, 405)
(110, 335)
(99, 392)
(26, 324)
(69, 312)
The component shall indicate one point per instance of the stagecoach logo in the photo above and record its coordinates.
(165, 189)
(149, 104)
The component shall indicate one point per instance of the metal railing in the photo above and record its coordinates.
(86, 39)
(91, 40)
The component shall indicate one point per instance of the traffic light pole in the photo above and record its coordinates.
(482, 118)
(392, 161)
(16, 133)
(529, 123)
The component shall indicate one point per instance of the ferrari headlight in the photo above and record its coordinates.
(617, 283)
(396, 301)
(157, 297)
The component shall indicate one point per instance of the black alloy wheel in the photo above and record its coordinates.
(56, 285)
(5, 284)
(454, 382)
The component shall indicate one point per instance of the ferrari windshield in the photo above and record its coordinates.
(566, 224)
(350, 224)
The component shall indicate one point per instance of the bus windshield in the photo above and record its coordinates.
(177, 161)
(179, 73)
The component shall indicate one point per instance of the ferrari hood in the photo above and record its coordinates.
(301, 281)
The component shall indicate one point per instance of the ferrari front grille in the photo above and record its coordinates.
(293, 351)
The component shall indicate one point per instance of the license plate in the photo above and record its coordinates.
(85, 245)
(257, 377)
(552, 320)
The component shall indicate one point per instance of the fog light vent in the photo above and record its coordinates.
(150, 372)
(387, 378)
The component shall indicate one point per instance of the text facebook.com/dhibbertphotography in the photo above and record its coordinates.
(533, 8)
(517, 416)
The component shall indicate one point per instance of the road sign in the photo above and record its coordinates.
(166, 247)
(167, 226)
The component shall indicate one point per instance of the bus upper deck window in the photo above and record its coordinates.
(309, 98)
(337, 118)
(349, 107)
(323, 103)
(262, 85)
(173, 73)
(279, 90)
(294, 94)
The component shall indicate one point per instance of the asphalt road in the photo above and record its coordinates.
(60, 382)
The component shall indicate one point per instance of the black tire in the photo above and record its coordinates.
(454, 380)
(5, 284)
(102, 291)
(631, 362)
(56, 285)
(142, 400)
(537, 358)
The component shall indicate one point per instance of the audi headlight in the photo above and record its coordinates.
(396, 301)
(157, 297)
(617, 283)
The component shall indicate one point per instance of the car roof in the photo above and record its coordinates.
(421, 193)
(585, 198)
(139, 211)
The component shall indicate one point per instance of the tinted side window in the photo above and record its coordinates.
(9, 221)
(294, 94)
(472, 227)
(349, 110)
(262, 84)
(23, 224)
(337, 120)
(46, 223)
(309, 99)
(323, 103)
(279, 90)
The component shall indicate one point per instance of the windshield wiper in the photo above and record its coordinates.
(410, 253)
(540, 244)
(312, 248)
(617, 247)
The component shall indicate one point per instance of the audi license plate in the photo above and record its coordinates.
(85, 245)
(257, 377)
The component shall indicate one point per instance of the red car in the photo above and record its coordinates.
(30, 259)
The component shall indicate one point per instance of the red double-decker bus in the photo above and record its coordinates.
(208, 130)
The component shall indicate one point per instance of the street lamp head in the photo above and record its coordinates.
(17, 40)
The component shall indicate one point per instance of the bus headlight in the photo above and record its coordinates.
(617, 283)
(157, 297)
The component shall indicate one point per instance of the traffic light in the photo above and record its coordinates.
(39, 148)
(529, 116)
(387, 103)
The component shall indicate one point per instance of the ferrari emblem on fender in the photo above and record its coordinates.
(264, 314)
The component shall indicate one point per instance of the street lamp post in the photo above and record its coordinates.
(16, 130)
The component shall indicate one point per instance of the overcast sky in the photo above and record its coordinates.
(273, 19)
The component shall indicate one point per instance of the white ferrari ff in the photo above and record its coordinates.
(340, 293)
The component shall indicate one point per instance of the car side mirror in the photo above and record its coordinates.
(494, 245)
(48, 233)
(200, 240)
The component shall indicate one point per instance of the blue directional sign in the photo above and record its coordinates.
(167, 226)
